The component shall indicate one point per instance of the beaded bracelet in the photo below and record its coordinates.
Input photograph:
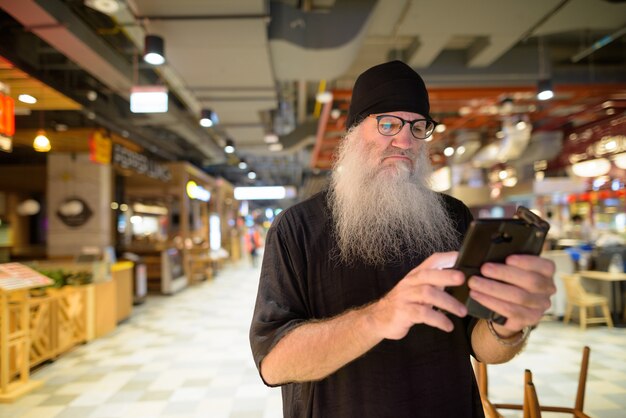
(505, 341)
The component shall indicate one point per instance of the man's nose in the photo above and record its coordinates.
(404, 138)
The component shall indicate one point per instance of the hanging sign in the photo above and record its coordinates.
(7, 122)
(131, 160)
(100, 147)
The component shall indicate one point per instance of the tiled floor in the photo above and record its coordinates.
(187, 355)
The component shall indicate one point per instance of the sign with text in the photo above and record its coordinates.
(7, 122)
(131, 160)
(100, 147)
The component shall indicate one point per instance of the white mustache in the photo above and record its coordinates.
(401, 153)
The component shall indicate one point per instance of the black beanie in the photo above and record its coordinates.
(389, 87)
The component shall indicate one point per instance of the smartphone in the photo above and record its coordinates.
(493, 240)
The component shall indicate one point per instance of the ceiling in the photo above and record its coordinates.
(259, 65)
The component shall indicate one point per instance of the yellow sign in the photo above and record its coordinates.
(100, 148)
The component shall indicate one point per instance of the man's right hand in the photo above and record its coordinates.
(414, 299)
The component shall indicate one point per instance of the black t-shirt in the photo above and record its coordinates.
(426, 374)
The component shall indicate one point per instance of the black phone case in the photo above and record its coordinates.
(492, 240)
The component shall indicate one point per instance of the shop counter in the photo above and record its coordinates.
(122, 274)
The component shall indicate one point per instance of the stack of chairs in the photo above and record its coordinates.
(531, 407)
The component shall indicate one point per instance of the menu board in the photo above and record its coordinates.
(15, 276)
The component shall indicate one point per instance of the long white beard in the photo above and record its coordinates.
(385, 214)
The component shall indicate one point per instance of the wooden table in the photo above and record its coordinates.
(616, 279)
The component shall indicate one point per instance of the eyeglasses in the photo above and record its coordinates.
(389, 125)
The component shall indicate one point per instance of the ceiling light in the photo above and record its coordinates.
(148, 99)
(440, 128)
(107, 7)
(208, 118)
(460, 150)
(592, 168)
(324, 97)
(28, 207)
(509, 181)
(229, 148)
(465, 110)
(270, 138)
(275, 147)
(448, 152)
(242, 164)
(154, 51)
(92, 95)
(335, 113)
(27, 98)
(544, 90)
(620, 160)
(251, 175)
(41, 142)
(521, 125)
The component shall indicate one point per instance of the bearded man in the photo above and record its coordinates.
(352, 318)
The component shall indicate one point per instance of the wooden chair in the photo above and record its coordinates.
(586, 302)
(531, 408)
(480, 369)
(491, 409)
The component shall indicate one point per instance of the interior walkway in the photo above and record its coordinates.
(187, 355)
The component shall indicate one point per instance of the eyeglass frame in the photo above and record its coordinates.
(404, 122)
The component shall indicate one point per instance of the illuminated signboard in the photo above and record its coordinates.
(100, 147)
(7, 122)
(265, 193)
(196, 191)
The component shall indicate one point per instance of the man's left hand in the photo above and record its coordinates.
(521, 290)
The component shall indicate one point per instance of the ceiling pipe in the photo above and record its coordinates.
(300, 40)
(602, 42)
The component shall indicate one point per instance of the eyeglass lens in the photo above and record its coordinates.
(391, 125)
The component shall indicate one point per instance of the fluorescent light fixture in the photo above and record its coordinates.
(148, 99)
(265, 193)
(147, 209)
(215, 232)
(27, 98)
(154, 50)
(544, 90)
(592, 168)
